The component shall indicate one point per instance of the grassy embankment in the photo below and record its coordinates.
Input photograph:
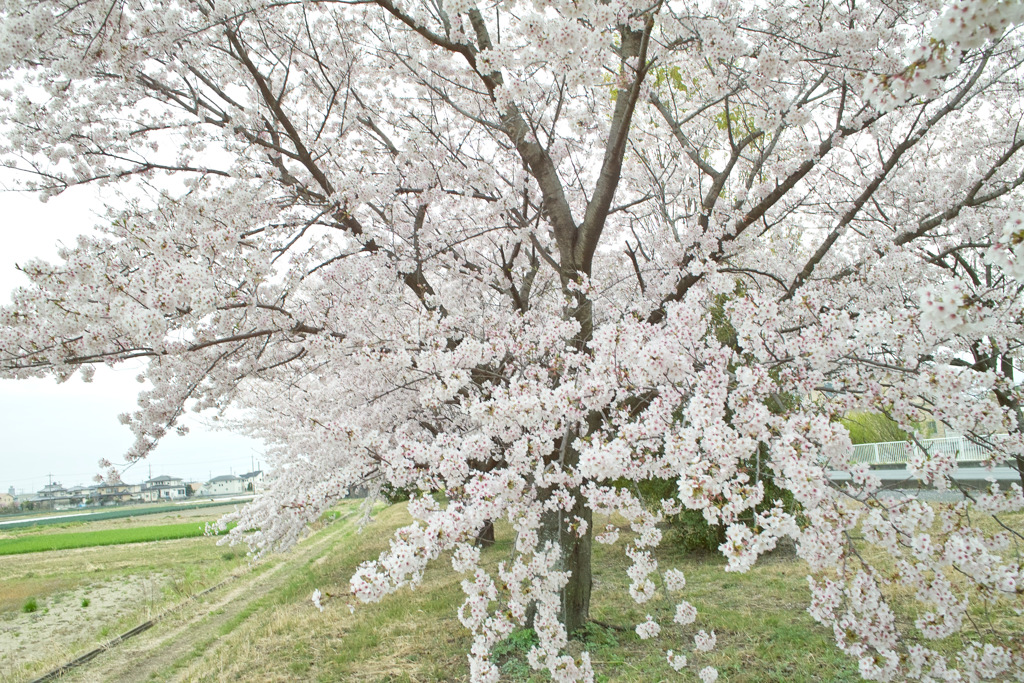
(764, 632)
(271, 631)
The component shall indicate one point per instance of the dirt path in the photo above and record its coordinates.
(174, 640)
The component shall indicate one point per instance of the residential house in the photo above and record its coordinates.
(82, 495)
(164, 488)
(7, 501)
(115, 492)
(252, 482)
(51, 497)
(224, 485)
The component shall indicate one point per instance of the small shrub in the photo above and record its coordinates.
(31, 605)
(598, 637)
(86, 602)
(510, 654)
(692, 533)
(520, 640)
(688, 530)
(394, 495)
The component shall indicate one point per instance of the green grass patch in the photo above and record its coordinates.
(87, 539)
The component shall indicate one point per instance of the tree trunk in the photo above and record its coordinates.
(485, 537)
(563, 528)
(576, 552)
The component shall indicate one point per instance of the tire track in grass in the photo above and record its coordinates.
(160, 651)
(145, 626)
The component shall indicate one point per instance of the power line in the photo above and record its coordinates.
(29, 482)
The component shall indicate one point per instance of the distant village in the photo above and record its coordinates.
(54, 496)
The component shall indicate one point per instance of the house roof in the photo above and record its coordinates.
(224, 477)
(250, 475)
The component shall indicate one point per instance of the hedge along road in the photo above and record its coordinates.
(85, 539)
(116, 513)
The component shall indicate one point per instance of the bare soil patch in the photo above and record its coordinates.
(61, 623)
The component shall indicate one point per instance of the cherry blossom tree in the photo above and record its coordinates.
(519, 253)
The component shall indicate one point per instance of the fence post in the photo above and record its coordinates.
(876, 454)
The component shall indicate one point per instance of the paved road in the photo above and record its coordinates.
(968, 475)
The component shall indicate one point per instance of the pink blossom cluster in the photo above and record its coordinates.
(524, 262)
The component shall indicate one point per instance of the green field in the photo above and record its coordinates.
(88, 539)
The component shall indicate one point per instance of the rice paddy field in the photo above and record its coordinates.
(33, 543)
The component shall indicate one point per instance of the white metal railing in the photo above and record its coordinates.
(898, 452)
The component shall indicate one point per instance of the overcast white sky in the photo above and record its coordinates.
(63, 430)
